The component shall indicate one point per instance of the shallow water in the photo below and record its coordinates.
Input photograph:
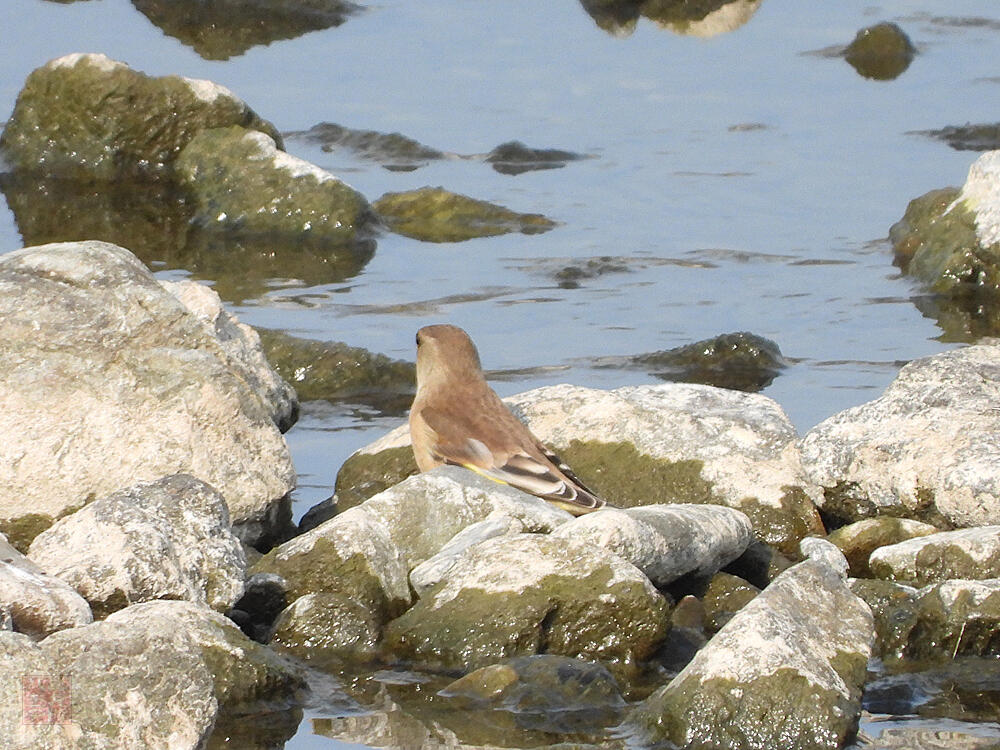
(745, 180)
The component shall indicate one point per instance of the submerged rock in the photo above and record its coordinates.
(394, 151)
(968, 553)
(86, 116)
(36, 603)
(336, 372)
(240, 180)
(514, 158)
(170, 539)
(436, 215)
(882, 52)
(528, 594)
(227, 28)
(108, 379)
(926, 449)
(786, 671)
(858, 540)
(985, 137)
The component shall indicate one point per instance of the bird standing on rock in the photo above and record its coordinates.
(456, 418)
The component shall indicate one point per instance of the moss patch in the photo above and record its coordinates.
(364, 474)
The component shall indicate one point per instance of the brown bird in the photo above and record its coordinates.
(456, 418)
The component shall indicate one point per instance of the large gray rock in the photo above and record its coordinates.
(532, 593)
(666, 541)
(927, 449)
(37, 604)
(166, 540)
(665, 443)
(967, 553)
(786, 671)
(87, 116)
(107, 379)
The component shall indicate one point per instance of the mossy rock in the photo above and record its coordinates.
(858, 540)
(366, 474)
(881, 52)
(327, 630)
(437, 215)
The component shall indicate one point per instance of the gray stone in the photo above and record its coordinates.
(859, 539)
(37, 604)
(326, 629)
(966, 553)
(666, 541)
(825, 552)
(527, 593)
(107, 379)
(166, 540)
(786, 671)
(927, 449)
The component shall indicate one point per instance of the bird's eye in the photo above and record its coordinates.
(418, 339)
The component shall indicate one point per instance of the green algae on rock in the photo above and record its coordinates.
(858, 540)
(363, 475)
(437, 215)
(394, 151)
(85, 116)
(240, 180)
(881, 52)
(327, 629)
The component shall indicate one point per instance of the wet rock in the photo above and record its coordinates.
(858, 540)
(927, 449)
(109, 380)
(686, 636)
(760, 564)
(527, 594)
(166, 540)
(725, 596)
(336, 372)
(826, 553)
(968, 553)
(547, 692)
(228, 28)
(90, 117)
(36, 603)
(570, 276)
(722, 447)
(966, 689)
(394, 151)
(437, 215)
(665, 541)
(740, 361)
(882, 52)
(967, 137)
(319, 513)
(240, 181)
(327, 629)
(513, 158)
(265, 595)
(949, 239)
(936, 623)
(786, 671)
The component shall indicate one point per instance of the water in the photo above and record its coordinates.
(748, 179)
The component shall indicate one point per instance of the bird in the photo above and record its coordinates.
(456, 418)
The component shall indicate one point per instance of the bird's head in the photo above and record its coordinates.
(444, 352)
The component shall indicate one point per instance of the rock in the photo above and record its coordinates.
(166, 540)
(36, 710)
(825, 552)
(514, 158)
(721, 447)
(546, 692)
(227, 28)
(666, 541)
(759, 565)
(265, 595)
(936, 623)
(968, 553)
(327, 629)
(779, 674)
(36, 603)
(109, 380)
(858, 540)
(927, 449)
(437, 215)
(532, 593)
(685, 637)
(394, 151)
(725, 596)
(319, 513)
(85, 116)
(240, 180)
(968, 137)
(435, 568)
(331, 371)
(882, 52)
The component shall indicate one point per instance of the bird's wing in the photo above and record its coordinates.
(502, 449)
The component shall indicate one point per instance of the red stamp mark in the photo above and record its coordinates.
(45, 699)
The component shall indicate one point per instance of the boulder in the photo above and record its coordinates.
(927, 449)
(859, 539)
(786, 671)
(327, 629)
(881, 52)
(37, 604)
(654, 444)
(87, 117)
(825, 552)
(108, 379)
(967, 553)
(666, 541)
(166, 540)
(527, 594)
